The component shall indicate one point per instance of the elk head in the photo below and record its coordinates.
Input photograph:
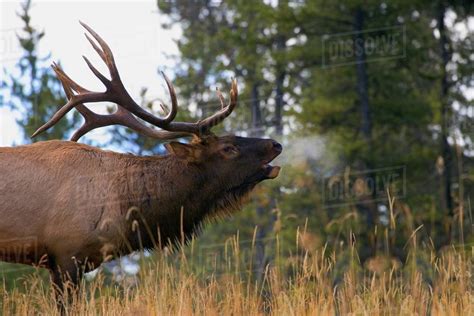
(233, 165)
(238, 163)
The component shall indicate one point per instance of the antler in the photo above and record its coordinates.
(127, 109)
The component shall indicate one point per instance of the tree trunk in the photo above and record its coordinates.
(256, 131)
(365, 205)
(446, 197)
(256, 127)
(261, 259)
(280, 81)
(361, 72)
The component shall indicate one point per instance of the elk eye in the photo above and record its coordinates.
(230, 150)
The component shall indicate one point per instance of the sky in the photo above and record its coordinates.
(131, 28)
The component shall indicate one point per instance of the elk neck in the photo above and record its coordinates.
(172, 197)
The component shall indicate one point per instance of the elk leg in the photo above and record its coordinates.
(65, 277)
(58, 288)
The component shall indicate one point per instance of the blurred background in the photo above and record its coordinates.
(372, 101)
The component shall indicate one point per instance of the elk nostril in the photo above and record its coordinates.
(277, 146)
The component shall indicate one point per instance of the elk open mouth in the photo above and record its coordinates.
(266, 171)
(271, 172)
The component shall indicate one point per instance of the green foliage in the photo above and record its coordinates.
(34, 91)
(323, 99)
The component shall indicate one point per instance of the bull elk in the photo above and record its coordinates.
(66, 205)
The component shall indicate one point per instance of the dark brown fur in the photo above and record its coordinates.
(72, 204)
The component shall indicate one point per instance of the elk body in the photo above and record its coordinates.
(69, 207)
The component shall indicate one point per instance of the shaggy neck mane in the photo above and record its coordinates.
(192, 198)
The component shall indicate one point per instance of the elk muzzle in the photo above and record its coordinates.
(273, 149)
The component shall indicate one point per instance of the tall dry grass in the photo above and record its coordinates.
(314, 281)
(304, 285)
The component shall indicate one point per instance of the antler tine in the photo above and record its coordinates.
(69, 87)
(204, 126)
(65, 79)
(172, 92)
(94, 120)
(73, 102)
(101, 77)
(115, 91)
(225, 111)
(106, 53)
(127, 108)
(108, 57)
(120, 117)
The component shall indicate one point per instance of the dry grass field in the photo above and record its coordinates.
(309, 284)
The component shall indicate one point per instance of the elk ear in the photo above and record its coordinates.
(184, 151)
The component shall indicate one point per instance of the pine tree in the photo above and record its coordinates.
(35, 91)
